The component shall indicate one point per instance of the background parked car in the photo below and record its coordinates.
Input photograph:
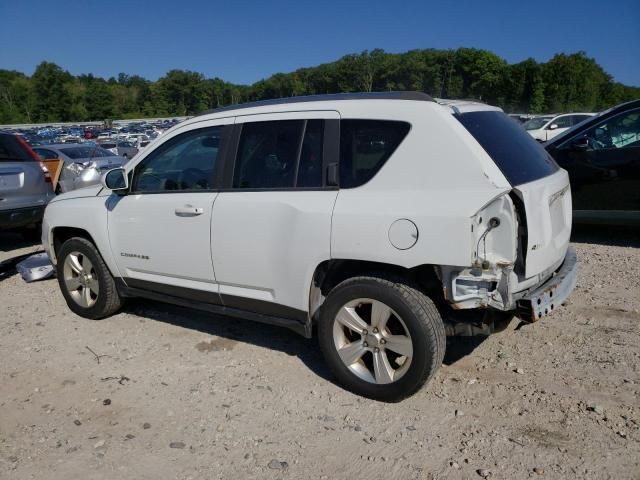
(602, 156)
(83, 164)
(25, 186)
(546, 127)
(119, 147)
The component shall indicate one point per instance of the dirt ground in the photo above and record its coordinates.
(162, 392)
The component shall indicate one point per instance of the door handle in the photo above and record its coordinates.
(189, 211)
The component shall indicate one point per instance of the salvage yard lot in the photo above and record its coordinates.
(162, 392)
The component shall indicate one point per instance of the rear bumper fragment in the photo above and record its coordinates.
(550, 295)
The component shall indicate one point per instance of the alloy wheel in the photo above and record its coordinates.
(372, 341)
(80, 279)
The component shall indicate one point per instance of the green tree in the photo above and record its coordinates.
(567, 82)
(50, 96)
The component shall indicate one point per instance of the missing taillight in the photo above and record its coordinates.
(521, 254)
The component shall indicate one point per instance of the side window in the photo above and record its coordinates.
(186, 163)
(579, 118)
(365, 145)
(268, 154)
(562, 122)
(622, 131)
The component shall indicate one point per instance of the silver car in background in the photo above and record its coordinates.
(83, 163)
(25, 186)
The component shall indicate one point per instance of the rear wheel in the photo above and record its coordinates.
(85, 280)
(382, 339)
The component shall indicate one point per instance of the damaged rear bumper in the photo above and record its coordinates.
(543, 300)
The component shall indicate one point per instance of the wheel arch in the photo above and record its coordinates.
(330, 273)
(59, 235)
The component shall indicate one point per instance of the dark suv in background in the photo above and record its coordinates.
(25, 186)
(602, 156)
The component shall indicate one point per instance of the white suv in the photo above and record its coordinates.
(386, 220)
(546, 127)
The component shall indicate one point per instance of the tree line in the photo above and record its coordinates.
(566, 83)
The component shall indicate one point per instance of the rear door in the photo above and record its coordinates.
(22, 181)
(272, 227)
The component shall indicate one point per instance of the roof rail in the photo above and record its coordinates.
(420, 96)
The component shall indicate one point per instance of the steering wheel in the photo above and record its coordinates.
(149, 182)
(190, 177)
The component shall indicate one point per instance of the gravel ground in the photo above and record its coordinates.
(161, 392)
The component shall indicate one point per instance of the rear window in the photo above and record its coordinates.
(520, 158)
(365, 146)
(86, 152)
(11, 150)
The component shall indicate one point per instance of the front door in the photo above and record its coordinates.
(560, 124)
(160, 232)
(604, 165)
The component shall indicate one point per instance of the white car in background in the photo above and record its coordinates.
(546, 127)
(119, 147)
(140, 140)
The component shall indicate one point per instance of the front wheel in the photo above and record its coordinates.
(383, 339)
(85, 280)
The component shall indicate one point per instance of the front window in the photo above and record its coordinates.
(622, 131)
(186, 163)
(562, 122)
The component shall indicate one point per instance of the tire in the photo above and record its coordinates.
(102, 299)
(409, 311)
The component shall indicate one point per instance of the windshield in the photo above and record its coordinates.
(536, 123)
(520, 158)
(86, 152)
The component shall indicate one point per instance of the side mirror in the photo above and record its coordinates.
(553, 126)
(580, 143)
(116, 180)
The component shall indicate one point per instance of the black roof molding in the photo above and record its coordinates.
(419, 96)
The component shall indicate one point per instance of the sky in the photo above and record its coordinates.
(245, 41)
